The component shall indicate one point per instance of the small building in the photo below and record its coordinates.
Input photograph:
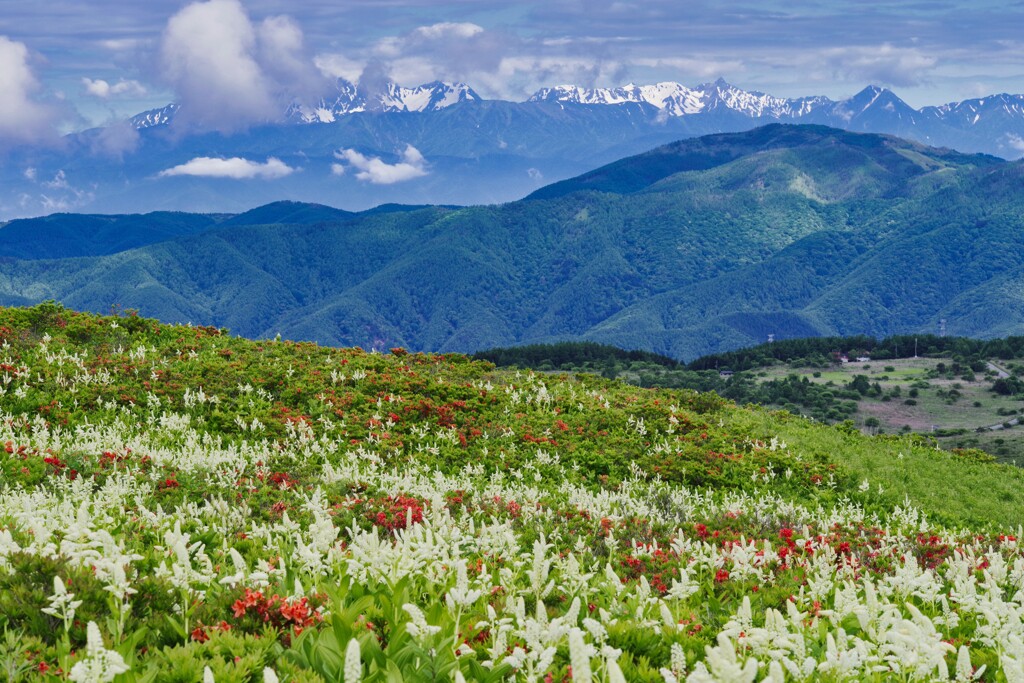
(725, 373)
(863, 359)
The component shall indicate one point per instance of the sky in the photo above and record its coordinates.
(72, 64)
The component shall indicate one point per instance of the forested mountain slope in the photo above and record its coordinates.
(700, 246)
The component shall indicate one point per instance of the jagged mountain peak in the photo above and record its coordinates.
(348, 98)
(351, 98)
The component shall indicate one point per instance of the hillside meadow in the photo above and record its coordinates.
(178, 504)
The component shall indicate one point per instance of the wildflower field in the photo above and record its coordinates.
(180, 505)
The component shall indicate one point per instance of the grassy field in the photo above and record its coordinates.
(897, 470)
(929, 401)
(178, 505)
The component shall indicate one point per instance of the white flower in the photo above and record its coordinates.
(460, 595)
(99, 664)
(614, 672)
(353, 662)
(418, 626)
(722, 664)
(62, 603)
(269, 676)
(964, 671)
(683, 587)
(596, 629)
(579, 656)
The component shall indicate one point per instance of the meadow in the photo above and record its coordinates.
(178, 504)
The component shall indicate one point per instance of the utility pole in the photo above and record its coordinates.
(915, 348)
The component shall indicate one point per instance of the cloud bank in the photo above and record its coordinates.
(229, 73)
(234, 167)
(379, 172)
(22, 117)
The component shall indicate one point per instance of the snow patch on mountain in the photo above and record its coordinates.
(154, 117)
(350, 99)
(675, 99)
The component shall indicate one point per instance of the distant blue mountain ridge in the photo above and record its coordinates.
(465, 149)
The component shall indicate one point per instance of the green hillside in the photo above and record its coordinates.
(702, 246)
(289, 212)
(178, 504)
(958, 393)
(840, 159)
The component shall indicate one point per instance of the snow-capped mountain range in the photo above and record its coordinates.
(675, 99)
(873, 109)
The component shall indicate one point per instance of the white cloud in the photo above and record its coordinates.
(880, 64)
(700, 68)
(1015, 141)
(103, 89)
(121, 44)
(62, 195)
(378, 172)
(229, 73)
(446, 30)
(452, 51)
(22, 117)
(496, 63)
(234, 167)
(59, 182)
(340, 66)
(30, 173)
(208, 57)
(521, 75)
(115, 139)
(282, 56)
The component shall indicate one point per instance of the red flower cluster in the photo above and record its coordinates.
(200, 633)
(391, 512)
(284, 614)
